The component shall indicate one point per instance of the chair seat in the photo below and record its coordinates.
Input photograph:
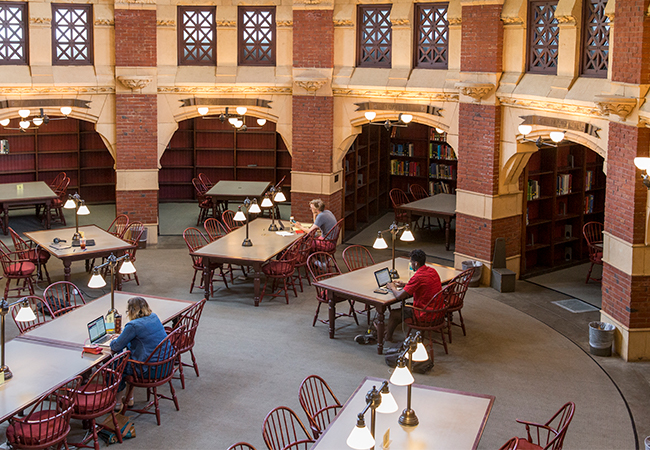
(21, 269)
(322, 245)
(278, 268)
(523, 444)
(90, 401)
(39, 255)
(597, 258)
(23, 433)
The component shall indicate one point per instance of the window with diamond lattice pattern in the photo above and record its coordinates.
(543, 37)
(256, 36)
(374, 36)
(13, 33)
(595, 50)
(197, 43)
(431, 35)
(72, 34)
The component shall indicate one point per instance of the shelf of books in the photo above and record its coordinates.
(565, 188)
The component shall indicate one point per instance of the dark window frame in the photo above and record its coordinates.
(548, 48)
(362, 59)
(601, 50)
(429, 62)
(24, 43)
(243, 56)
(182, 43)
(89, 43)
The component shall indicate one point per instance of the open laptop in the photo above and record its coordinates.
(383, 278)
(97, 333)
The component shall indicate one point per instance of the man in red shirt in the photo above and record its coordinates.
(423, 285)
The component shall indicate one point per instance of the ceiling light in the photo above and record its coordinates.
(261, 122)
(4, 122)
(203, 110)
(557, 136)
(406, 118)
(24, 124)
(66, 110)
(525, 129)
(643, 163)
(370, 115)
(232, 120)
(38, 121)
(24, 113)
(241, 110)
(439, 130)
(238, 123)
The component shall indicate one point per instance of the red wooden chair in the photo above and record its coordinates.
(593, 233)
(189, 323)
(432, 318)
(47, 422)
(550, 435)
(214, 228)
(62, 297)
(132, 235)
(119, 225)
(16, 267)
(319, 403)
(398, 198)
(41, 310)
(456, 299)
(205, 181)
(418, 193)
(205, 203)
(281, 271)
(283, 430)
(328, 242)
(32, 252)
(321, 267)
(357, 257)
(512, 444)
(55, 185)
(157, 370)
(98, 397)
(56, 208)
(241, 446)
(304, 249)
(194, 240)
(227, 217)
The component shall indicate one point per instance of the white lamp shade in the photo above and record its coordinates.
(279, 197)
(402, 376)
(388, 404)
(406, 118)
(4, 122)
(238, 123)
(25, 314)
(127, 267)
(24, 124)
(96, 281)
(261, 122)
(38, 121)
(255, 208)
(557, 136)
(232, 120)
(370, 115)
(407, 236)
(380, 242)
(642, 163)
(24, 113)
(70, 204)
(420, 353)
(83, 210)
(239, 216)
(266, 203)
(241, 110)
(360, 438)
(525, 129)
(203, 110)
(66, 110)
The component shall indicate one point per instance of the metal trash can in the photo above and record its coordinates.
(476, 277)
(601, 336)
(142, 243)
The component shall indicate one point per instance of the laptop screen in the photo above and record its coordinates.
(383, 277)
(97, 329)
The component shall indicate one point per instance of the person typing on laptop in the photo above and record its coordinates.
(423, 285)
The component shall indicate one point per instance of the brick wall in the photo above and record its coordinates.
(631, 57)
(482, 39)
(625, 199)
(137, 131)
(312, 128)
(135, 37)
(475, 236)
(478, 147)
(140, 206)
(300, 205)
(625, 297)
(313, 38)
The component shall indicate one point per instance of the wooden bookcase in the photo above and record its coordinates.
(216, 149)
(71, 146)
(420, 155)
(365, 193)
(564, 188)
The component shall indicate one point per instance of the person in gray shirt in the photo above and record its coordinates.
(324, 220)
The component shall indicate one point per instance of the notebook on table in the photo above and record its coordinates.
(97, 333)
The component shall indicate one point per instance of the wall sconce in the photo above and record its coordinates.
(380, 243)
(402, 121)
(643, 163)
(75, 202)
(97, 281)
(251, 207)
(274, 196)
(24, 124)
(556, 136)
(413, 351)
(380, 401)
(25, 314)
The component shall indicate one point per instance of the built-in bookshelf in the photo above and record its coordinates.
(565, 188)
(365, 193)
(215, 148)
(71, 146)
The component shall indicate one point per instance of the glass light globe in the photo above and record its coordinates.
(241, 110)
(38, 121)
(439, 130)
(406, 118)
(525, 129)
(261, 122)
(557, 136)
(4, 122)
(24, 113)
(370, 115)
(203, 110)
(238, 123)
(642, 163)
(380, 242)
(232, 120)
(66, 110)
(24, 124)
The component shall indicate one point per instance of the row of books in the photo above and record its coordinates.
(442, 171)
(441, 151)
(435, 136)
(589, 204)
(563, 185)
(589, 180)
(440, 187)
(402, 149)
(410, 168)
(533, 190)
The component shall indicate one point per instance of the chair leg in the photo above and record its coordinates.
(193, 280)
(589, 273)
(156, 405)
(174, 398)
(180, 372)
(118, 432)
(315, 315)
(196, 366)
(47, 274)
(462, 322)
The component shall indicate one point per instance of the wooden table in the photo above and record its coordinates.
(359, 285)
(37, 368)
(448, 419)
(105, 244)
(442, 206)
(225, 190)
(71, 330)
(228, 250)
(31, 193)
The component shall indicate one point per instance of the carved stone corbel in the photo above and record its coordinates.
(134, 82)
(475, 90)
(614, 104)
(311, 86)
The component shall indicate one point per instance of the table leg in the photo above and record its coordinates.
(47, 214)
(206, 277)
(5, 218)
(66, 269)
(332, 313)
(258, 274)
(380, 329)
(447, 233)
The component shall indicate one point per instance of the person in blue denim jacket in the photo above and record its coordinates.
(141, 335)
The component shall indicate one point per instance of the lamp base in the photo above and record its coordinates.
(273, 227)
(393, 274)
(408, 418)
(76, 236)
(7, 372)
(247, 243)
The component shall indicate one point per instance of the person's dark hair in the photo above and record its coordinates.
(418, 256)
(137, 307)
(318, 204)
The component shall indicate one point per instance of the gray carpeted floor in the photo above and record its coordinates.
(568, 282)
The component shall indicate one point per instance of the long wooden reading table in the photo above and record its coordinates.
(21, 194)
(442, 206)
(226, 190)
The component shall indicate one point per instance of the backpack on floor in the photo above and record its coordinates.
(392, 354)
